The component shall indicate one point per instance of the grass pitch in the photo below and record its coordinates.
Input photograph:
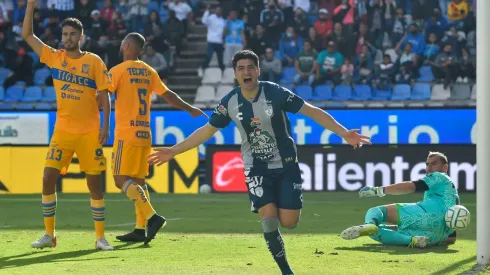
(217, 234)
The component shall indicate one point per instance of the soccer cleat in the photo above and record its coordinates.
(138, 235)
(357, 231)
(45, 241)
(419, 242)
(103, 244)
(154, 224)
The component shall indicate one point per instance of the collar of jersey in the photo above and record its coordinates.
(256, 96)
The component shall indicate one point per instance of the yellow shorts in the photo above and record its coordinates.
(87, 147)
(129, 160)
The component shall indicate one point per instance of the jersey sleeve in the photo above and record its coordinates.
(114, 76)
(158, 86)
(289, 101)
(434, 180)
(102, 78)
(220, 117)
(48, 55)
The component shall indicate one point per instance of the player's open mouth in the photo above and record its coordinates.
(247, 80)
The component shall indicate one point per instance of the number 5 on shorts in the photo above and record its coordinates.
(142, 97)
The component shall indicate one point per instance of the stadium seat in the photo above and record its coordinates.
(211, 76)
(381, 94)
(312, 19)
(323, 92)
(49, 94)
(420, 91)
(35, 59)
(305, 92)
(342, 92)
(41, 75)
(416, 105)
(361, 92)
(6, 107)
(32, 94)
(2, 93)
(153, 6)
(43, 106)
(99, 4)
(205, 94)
(426, 74)
(439, 93)
(393, 54)
(4, 74)
(473, 92)
(378, 59)
(24, 106)
(222, 90)
(288, 74)
(460, 91)
(228, 76)
(14, 94)
(401, 92)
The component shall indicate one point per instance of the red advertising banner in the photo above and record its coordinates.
(228, 172)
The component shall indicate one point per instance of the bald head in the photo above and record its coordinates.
(133, 44)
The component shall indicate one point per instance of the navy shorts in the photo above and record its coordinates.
(279, 186)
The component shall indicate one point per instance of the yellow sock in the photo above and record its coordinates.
(49, 213)
(98, 212)
(137, 194)
(140, 219)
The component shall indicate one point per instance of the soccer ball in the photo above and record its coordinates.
(457, 217)
(204, 189)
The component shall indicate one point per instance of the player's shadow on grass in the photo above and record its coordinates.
(398, 250)
(455, 266)
(46, 256)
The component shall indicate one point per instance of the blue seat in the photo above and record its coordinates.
(312, 19)
(4, 74)
(426, 74)
(153, 6)
(99, 4)
(305, 92)
(2, 93)
(24, 106)
(342, 92)
(35, 59)
(40, 76)
(361, 92)
(49, 94)
(323, 92)
(43, 106)
(381, 94)
(401, 92)
(6, 107)
(420, 91)
(14, 94)
(288, 74)
(33, 94)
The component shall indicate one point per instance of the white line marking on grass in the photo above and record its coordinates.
(6, 226)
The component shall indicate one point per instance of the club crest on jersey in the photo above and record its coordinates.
(85, 68)
(222, 110)
(255, 122)
(269, 111)
(64, 63)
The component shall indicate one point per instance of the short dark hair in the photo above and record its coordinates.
(245, 54)
(441, 156)
(137, 39)
(74, 23)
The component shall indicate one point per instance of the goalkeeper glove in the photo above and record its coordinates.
(367, 191)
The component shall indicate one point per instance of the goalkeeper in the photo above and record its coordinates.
(415, 224)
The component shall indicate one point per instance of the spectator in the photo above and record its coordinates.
(289, 47)
(432, 48)
(363, 37)
(259, 42)
(376, 22)
(415, 38)
(154, 32)
(467, 70)
(138, 11)
(22, 70)
(84, 9)
(317, 42)
(446, 66)
(98, 26)
(163, 12)
(324, 25)
(399, 26)
(423, 9)
(364, 63)
(117, 27)
(216, 25)
(341, 40)
(347, 72)
(304, 5)
(107, 11)
(287, 10)
(183, 12)
(436, 24)
(389, 13)
(64, 9)
(37, 23)
(272, 19)
(123, 8)
(156, 60)
(234, 36)
(344, 13)
(406, 64)
(54, 25)
(49, 39)
(270, 67)
(362, 7)
(4, 14)
(386, 72)
(301, 23)
(471, 42)
(253, 8)
(174, 31)
(19, 13)
(456, 38)
(305, 64)
(328, 65)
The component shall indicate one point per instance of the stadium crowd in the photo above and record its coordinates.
(374, 42)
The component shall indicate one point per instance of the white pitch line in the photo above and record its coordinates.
(6, 226)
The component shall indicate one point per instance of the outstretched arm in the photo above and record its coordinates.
(177, 102)
(162, 155)
(27, 29)
(402, 188)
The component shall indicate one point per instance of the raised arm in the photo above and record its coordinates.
(27, 29)
(173, 99)
(402, 188)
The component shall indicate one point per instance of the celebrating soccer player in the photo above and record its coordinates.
(416, 224)
(272, 172)
(77, 76)
(134, 82)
